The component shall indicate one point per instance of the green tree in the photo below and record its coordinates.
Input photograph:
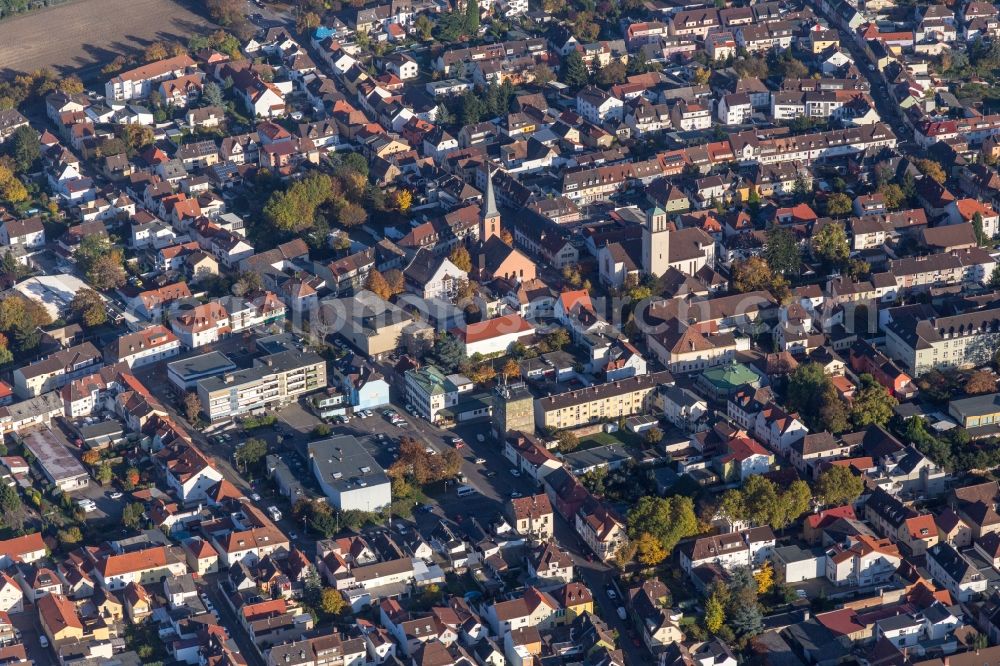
(733, 506)
(838, 485)
(872, 404)
(782, 251)
(567, 441)
(574, 72)
(977, 226)
(995, 278)
(251, 452)
(472, 17)
(448, 351)
(10, 501)
(473, 108)
(894, 195)
(132, 515)
(667, 519)
(557, 339)
(425, 27)
(105, 473)
(212, 95)
(838, 205)
(295, 209)
(830, 245)
(24, 149)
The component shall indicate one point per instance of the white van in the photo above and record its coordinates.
(464, 491)
(274, 513)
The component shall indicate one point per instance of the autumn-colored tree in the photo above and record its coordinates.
(71, 85)
(88, 308)
(404, 199)
(155, 51)
(702, 75)
(307, 21)
(192, 406)
(132, 476)
(135, 137)
(764, 578)
(396, 281)
(932, 170)
(650, 550)
(11, 189)
(351, 215)
(483, 373)
(377, 284)
(461, 258)
(70, 536)
(981, 381)
(752, 274)
(333, 601)
(511, 369)
(506, 237)
(418, 466)
(91, 457)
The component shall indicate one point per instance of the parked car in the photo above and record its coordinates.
(480, 461)
(621, 612)
(115, 495)
(515, 472)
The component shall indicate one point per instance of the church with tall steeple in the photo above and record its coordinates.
(493, 257)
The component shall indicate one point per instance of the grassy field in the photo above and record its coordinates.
(83, 34)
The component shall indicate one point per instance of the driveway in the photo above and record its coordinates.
(27, 623)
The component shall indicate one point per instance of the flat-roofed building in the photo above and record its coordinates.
(348, 475)
(53, 454)
(187, 372)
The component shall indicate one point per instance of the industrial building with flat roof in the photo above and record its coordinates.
(348, 475)
(55, 458)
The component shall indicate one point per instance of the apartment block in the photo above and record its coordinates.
(274, 380)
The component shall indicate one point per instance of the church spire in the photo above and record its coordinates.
(489, 218)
